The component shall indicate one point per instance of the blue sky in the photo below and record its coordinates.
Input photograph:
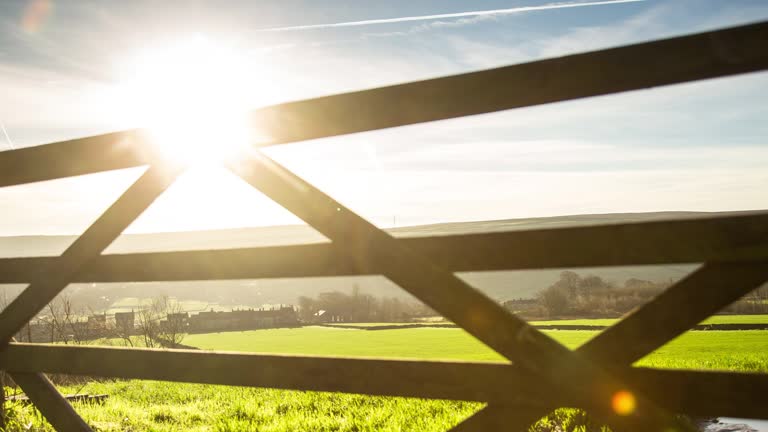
(699, 146)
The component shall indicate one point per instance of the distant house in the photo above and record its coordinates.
(179, 317)
(521, 305)
(178, 321)
(97, 322)
(331, 315)
(245, 319)
(125, 320)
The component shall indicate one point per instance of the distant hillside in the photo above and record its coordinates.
(500, 285)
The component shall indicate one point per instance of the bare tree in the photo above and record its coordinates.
(148, 323)
(162, 323)
(173, 329)
(67, 324)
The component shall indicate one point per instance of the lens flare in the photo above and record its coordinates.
(623, 403)
(35, 15)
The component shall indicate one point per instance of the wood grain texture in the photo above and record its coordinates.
(733, 238)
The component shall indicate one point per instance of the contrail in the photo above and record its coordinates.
(8, 138)
(450, 15)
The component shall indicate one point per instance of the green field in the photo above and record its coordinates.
(159, 406)
(728, 350)
(426, 343)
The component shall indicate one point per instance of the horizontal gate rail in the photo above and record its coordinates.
(725, 238)
(699, 56)
(706, 393)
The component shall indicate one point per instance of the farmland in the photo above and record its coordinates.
(729, 350)
(160, 406)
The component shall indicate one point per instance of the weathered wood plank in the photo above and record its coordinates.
(731, 238)
(700, 56)
(50, 402)
(675, 60)
(52, 279)
(431, 379)
(705, 394)
(694, 392)
(75, 157)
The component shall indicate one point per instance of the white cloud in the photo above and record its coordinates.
(471, 14)
(35, 100)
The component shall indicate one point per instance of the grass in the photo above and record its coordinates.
(726, 350)
(164, 407)
(424, 343)
(742, 351)
(160, 406)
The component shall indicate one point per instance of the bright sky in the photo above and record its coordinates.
(700, 146)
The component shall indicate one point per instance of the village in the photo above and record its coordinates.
(67, 328)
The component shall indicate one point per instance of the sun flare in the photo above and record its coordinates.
(193, 97)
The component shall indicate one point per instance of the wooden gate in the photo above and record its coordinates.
(542, 374)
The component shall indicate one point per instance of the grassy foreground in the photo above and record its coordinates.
(160, 406)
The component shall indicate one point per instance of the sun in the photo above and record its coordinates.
(193, 97)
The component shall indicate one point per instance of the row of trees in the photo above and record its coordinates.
(358, 307)
(574, 295)
(755, 302)
(592, 295)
